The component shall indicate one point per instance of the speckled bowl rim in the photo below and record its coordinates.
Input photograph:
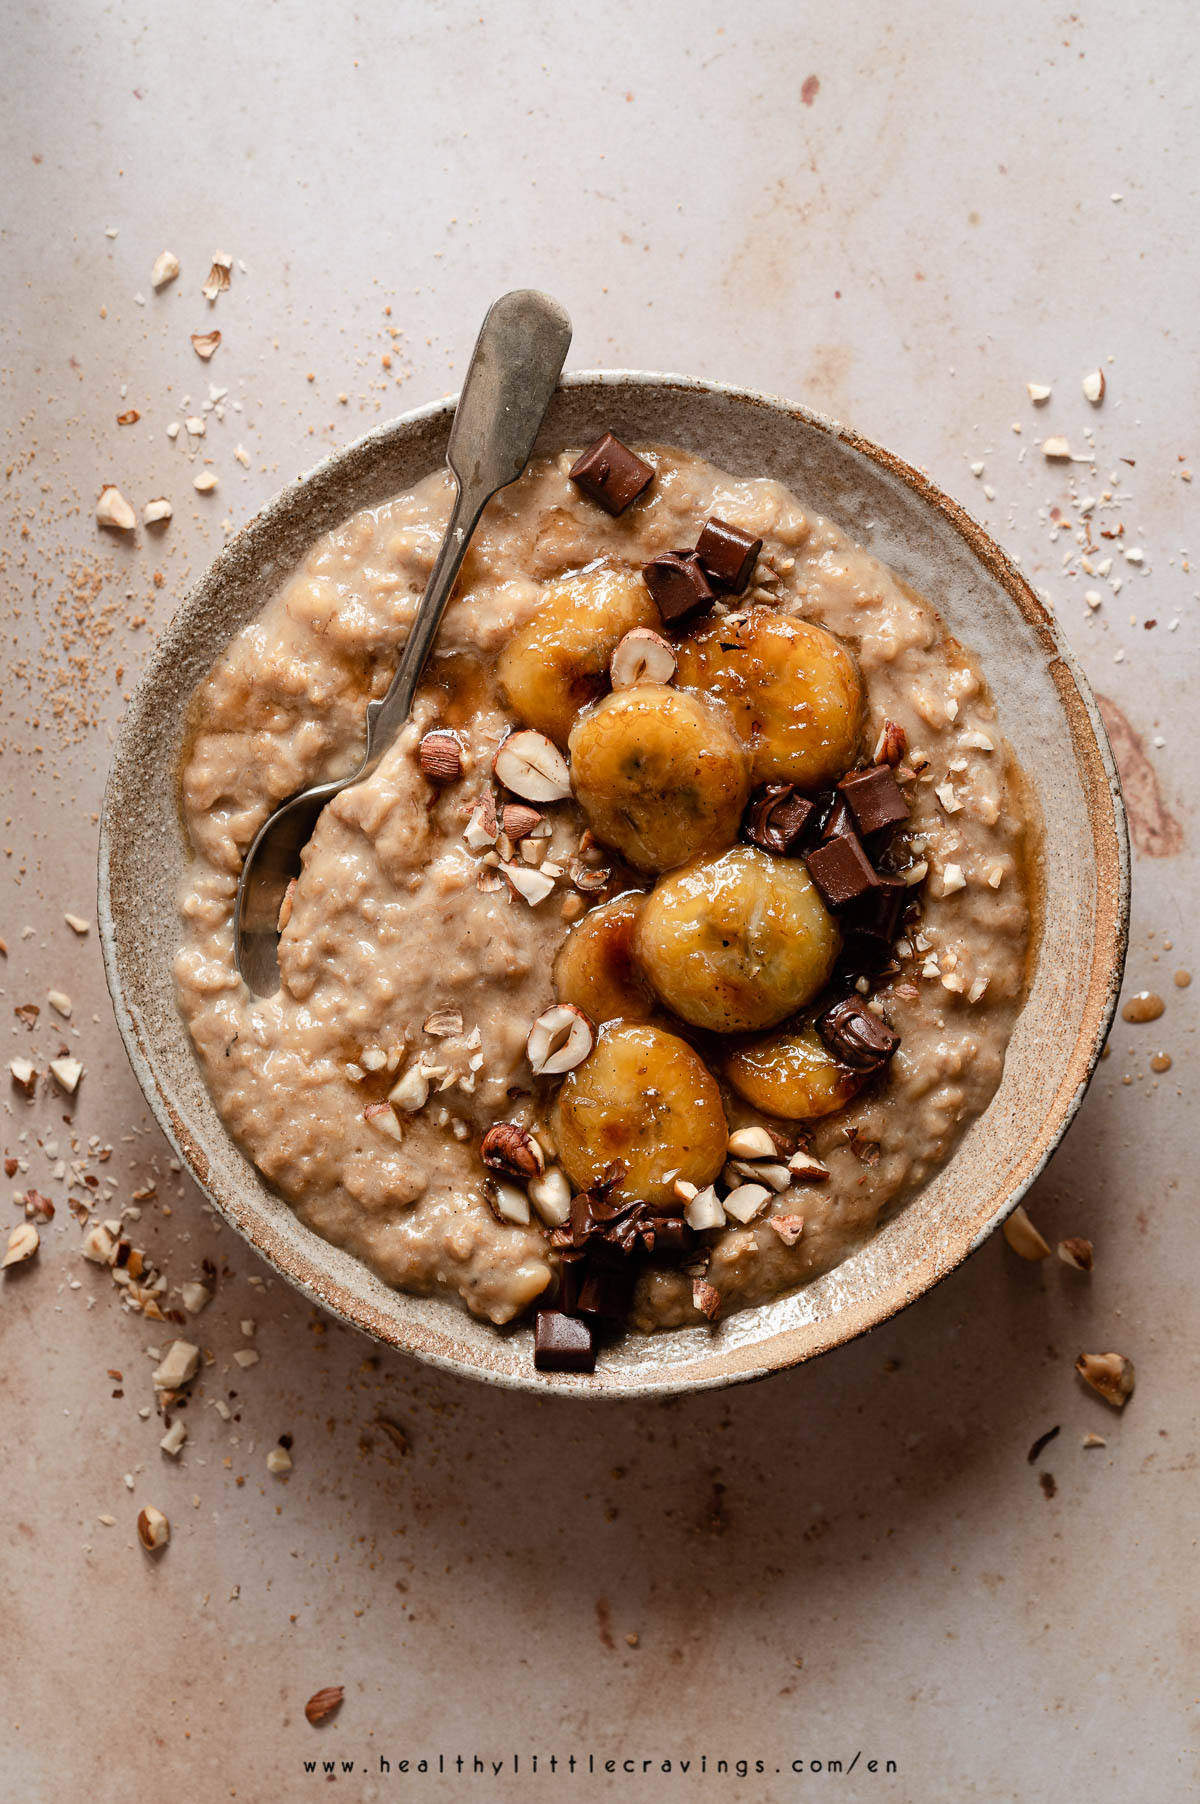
(739, 1364)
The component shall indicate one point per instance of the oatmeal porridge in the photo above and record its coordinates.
(678, 937)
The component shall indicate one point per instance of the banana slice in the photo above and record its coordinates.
(738, 941)
(659, 775)
(644, 1098)
(596, 969)
(559, 660)
(791, 1075)
(792, 689)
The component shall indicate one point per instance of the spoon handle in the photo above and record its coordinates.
(514, 367)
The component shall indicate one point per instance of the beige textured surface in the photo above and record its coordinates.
(854, 1556)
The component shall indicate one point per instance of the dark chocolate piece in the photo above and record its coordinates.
(678, 586)
(562, 1343)
(610, 474)
(667, 1236)
(841, 871)
(876, 799)
(728, 555)
(838, 819)
(857, 1035)
(571, 1272)
(879, 914)
(778, 818)
(605, 1290)
(582, 1220)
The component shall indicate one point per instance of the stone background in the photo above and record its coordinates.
(899, 216)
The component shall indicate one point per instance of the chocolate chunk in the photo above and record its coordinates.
(778, 818)
(879, 913)
(582, 1221)
(838, 819)
(876, 799)
(605, 1291)
(610, 474)
(571, 1272)
(562, 1343)
(841, 871)
(668, 1236)
(856, 1035)
(678, 585)
(728, 555)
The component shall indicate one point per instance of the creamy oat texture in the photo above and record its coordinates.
(389, 924)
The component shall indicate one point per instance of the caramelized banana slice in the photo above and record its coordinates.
(739, 941)
(642, 1097)
(792, 1075)
(559, 660)
(596, 969)
(659, 775)
(792, 689)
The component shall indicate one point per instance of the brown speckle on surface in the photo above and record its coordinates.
(1156, 832)
(810, 87)
(1042, 1442)
(1049, 1485)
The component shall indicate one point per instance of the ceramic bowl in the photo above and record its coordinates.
(1047, 712)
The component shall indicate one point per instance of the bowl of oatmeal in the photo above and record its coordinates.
(717, 956)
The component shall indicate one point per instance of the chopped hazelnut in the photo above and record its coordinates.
(154, 1531)
(23, 1243)
(510, 1148)
(176, 1435)
(178, 1367)
(1024, 1238)
(166, 268)
(1111, 1375)
(23, 1075)
(113, 510)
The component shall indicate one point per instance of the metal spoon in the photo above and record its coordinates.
(514, 367)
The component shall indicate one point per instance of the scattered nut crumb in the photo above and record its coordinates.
(323, 1703)
(1111, 1375)
(166, 268)
(113, 510)
(154, 1531)
(66, 1072)
(218, 276)
(23, 1243)
(1076, 1253)
(176, 1435)
(178, 1366)
(1024, 1238)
